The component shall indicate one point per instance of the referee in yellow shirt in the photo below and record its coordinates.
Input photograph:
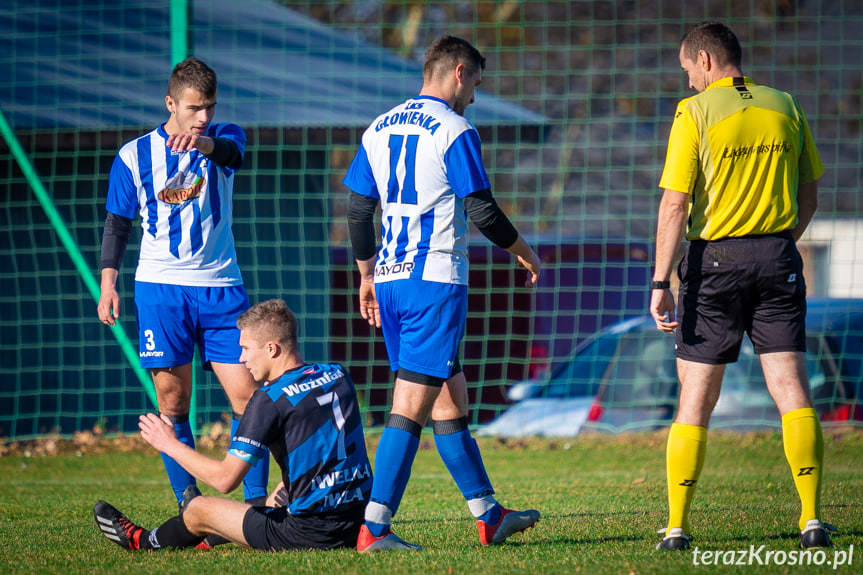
(742, 168)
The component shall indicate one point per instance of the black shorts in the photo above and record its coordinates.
(274, 529)
(731, 286)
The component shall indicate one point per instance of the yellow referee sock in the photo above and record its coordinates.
(684, 458)
(804, 450)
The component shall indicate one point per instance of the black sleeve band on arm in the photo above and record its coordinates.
(115, 239)
(487, 216)
(361, 225)
(225, 152)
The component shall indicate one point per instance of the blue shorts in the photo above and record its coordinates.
(172, 319)
(423, 324)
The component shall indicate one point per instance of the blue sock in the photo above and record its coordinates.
(460, 454)
(377, 529)
(378, 518)
(492, 516)
(393, 460)
(255, 481)
(177, 476)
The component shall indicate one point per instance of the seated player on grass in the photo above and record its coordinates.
(308, 417)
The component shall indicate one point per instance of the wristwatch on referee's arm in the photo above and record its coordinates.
(660, 285)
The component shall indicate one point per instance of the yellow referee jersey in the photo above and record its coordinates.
(740, 149)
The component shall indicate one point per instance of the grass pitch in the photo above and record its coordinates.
(601, 497)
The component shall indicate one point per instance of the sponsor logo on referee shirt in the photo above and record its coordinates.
(745, 151)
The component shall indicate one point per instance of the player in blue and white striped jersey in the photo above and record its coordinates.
(422, 161)
(188, 289)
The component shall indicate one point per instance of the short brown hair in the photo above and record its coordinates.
(446, 53)
(716, 39)
(271, 320)
(192, 73)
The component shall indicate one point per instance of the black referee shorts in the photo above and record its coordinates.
(752, 284)
(274, 529)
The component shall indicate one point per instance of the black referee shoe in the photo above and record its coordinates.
(815, 535)
(674, 540)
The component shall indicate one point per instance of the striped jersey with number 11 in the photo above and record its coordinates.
(421, 159)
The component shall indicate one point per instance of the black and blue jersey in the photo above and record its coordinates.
(309, 419)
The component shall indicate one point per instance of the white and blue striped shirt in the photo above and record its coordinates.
(421, 159)
(185, 203)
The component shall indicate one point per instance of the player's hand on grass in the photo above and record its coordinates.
(662, 310)
(157, 431)
(369, 303)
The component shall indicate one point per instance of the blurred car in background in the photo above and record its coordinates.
(625, 379)
(510, 331)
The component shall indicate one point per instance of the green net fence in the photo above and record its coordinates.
(574, 112)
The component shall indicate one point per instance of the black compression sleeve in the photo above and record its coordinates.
(114, 240)
(361, 216)
(487, 216)
(225, 152)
